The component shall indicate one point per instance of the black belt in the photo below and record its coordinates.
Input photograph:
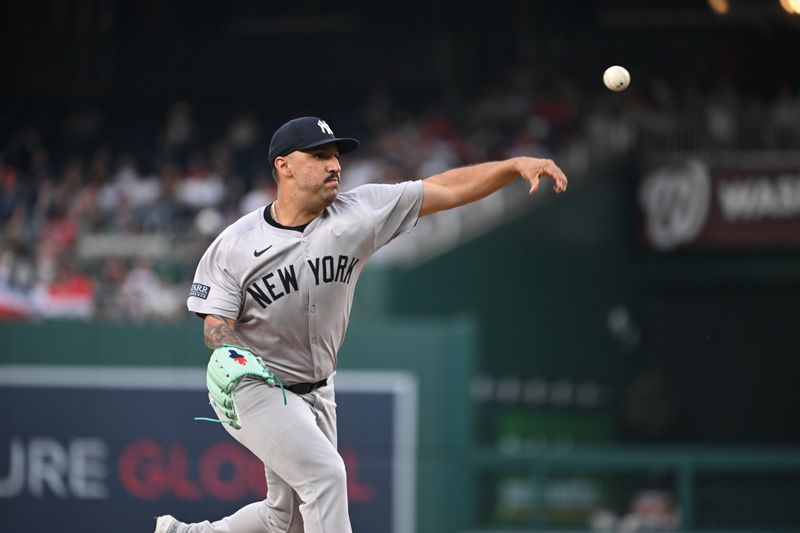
(305, 388)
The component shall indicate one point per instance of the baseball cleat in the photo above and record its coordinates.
(166, 524)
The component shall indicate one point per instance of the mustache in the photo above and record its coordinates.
(334, 175)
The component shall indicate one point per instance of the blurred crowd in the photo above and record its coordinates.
(72, 203)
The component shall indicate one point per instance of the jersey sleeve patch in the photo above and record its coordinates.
(199, 290)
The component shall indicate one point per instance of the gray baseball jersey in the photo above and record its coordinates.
(291, 292)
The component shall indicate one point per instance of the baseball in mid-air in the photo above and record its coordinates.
(617, 78)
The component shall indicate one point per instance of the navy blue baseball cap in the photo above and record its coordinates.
(305, 133)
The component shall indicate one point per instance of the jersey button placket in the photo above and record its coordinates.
(313, 319)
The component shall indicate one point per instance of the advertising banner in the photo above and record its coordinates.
(99, 449)
(693, 205)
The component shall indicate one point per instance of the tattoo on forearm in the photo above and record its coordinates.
(218, 334)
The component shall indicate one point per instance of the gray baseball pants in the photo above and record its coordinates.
(306, 482)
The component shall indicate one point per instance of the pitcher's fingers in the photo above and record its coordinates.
(559, 177)
(534, 185)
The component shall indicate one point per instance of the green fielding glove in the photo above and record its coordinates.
(227, 367)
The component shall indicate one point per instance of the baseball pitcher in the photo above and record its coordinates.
(275, 289)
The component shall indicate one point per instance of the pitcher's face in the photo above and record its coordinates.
(316, 173)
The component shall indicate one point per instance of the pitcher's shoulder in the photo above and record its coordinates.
(244, 224)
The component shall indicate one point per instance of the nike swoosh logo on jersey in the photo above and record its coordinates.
(258, 254)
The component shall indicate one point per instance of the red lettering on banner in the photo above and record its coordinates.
(258, 479)
(211, 463)
(179, 474)
(357, 491)
(141, 469)
(149, 470)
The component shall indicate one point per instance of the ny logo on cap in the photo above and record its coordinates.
(324, 127)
